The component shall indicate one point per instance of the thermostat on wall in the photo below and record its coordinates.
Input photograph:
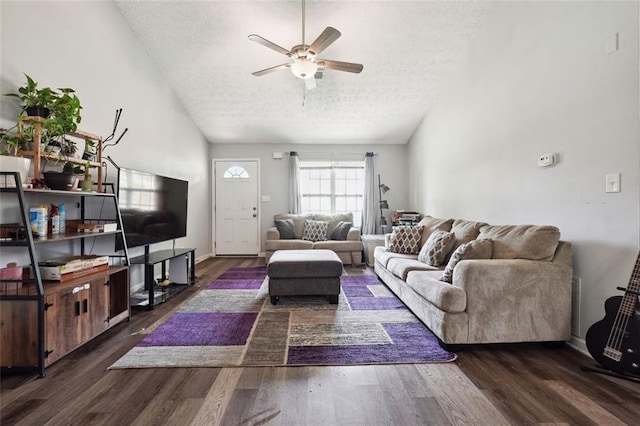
(547, 160)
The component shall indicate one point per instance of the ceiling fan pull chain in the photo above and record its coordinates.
(303, 19)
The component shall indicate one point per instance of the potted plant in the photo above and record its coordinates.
(35, 101)
(61, 108)
(11, 142)
(86, 184)
(64, 180)
(90, 150)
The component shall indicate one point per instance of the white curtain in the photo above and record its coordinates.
(369, 207)
(294, 183)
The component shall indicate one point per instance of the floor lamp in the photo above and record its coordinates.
(382, 189)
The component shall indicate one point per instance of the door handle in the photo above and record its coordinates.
(255, 215)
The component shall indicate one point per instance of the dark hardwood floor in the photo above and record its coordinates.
(520, 384)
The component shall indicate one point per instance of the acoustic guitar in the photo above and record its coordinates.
(614, 341)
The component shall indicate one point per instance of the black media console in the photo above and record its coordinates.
(152, 289)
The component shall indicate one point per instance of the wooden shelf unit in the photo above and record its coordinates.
(42, 321)
(38, 154)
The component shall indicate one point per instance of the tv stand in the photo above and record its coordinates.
(149, 260)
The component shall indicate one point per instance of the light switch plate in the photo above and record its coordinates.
(611, 45)
(612, 182)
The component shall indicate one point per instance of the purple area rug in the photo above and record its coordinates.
(232, 323)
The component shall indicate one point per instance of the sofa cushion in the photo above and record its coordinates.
(437, 247)
(333, 220)
(400, 267)
(273, 245)
(522, 241)
(444, 296)
(338, 246)
(476, 249)
(383, 256)
(405, 239)
(465, 231)
(315, 230)
(285, 228)
(341, 231)
(298, 222)
(430, 224)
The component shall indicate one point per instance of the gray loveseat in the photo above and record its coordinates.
(348, 250)
(519, 292)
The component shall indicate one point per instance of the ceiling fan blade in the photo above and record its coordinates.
(328, 36)
(310, 83)
(270, 45)
(340, 66)
(272, 69)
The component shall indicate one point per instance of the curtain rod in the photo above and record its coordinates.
(332, 153)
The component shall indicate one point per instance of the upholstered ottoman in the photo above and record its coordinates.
(304, 273)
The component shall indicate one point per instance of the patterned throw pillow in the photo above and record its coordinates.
(437, 247)
(405, 239)
(315, 230)
(476, 249)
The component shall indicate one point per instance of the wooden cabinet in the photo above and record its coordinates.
(75, 313)
(42, 321)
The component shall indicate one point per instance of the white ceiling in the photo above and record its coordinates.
(407, 48)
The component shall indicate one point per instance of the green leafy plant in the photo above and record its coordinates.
(30, 96)
(65, 112)
(87, 170)
(63, 106)
(15, 139)
(11, 142)
(72, 168)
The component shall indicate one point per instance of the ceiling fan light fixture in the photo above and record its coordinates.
(304, 69)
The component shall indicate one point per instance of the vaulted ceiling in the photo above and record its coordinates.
(408, 48)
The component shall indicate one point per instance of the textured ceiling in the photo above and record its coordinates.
(407, 48)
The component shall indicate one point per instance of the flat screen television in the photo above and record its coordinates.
(153, 207)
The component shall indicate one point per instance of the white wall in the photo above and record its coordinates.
(537, 79)
(89, 47)
(390, 163)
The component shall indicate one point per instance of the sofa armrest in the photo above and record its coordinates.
(273, 233)
(522, 300)
(387, 241)
(353, 234)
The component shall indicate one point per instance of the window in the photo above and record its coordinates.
(332, 187)
(236, 172)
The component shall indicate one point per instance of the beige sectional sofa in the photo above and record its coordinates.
(348, 250)
(520, 293)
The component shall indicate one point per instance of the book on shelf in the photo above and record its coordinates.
(76, 274)
(57, 269)
(97, 227)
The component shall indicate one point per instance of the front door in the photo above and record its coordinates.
(236, 207)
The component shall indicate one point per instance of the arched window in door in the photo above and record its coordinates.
(236, 172)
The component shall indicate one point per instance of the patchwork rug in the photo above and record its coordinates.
(231, 322)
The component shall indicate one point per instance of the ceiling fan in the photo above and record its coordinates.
(304, 58)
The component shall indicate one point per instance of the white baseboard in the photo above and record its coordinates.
(579, 345)
(203, 257)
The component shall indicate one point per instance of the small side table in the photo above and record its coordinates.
(370, 242)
